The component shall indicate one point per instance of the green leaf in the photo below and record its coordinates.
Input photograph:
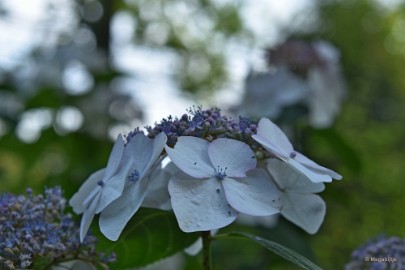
(40, 263)
(150, 236)
(281, 250)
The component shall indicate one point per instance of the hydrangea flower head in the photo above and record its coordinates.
(273, 139)
(213, 175)
(218, 180)
(37, 227)
(380, 253)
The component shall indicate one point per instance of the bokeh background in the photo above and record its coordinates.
(74, 74)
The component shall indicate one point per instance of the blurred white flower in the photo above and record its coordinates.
(327, 86)
(269, 93)
(300, 73)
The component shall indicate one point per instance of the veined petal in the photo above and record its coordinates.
(92, 198)
(138, 151)
(272, 148)
(87, 217)
(88, 186)
(190, 154)
(288, 178)
(314, 176)
(158, 144)
(171, 168)
(234, 156)
(115, 157)
(270, 132)
(255, 195)
(199, 204)
(307, 211)
(157, 193)
(315, 167)
(116, 215)
(113, 187)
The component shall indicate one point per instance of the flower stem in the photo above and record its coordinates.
(206, 241)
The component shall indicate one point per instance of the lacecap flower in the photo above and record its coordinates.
(128, 164)
(103, 186)
(219, 179)
(213, 176)
(273, 139)
(144, 153)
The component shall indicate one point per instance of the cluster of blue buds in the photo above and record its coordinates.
(37, 233)
(380, 253)
(207, 124)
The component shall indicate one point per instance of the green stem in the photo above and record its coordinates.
(206, 241)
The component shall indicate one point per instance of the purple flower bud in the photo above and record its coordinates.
(35, 227)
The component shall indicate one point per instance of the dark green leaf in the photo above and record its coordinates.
(41, 263)
(282, 251)
(150, 236)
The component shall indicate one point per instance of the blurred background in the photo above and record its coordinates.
(74, 74)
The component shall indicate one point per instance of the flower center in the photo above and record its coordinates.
(293, 154)
(134, 176)
(220, 173)
(100, 183)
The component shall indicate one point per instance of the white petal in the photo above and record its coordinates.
(157, 193)
(190, 154)
(273, 138)
(315, 167)
(314, 176)
(307, 211)
(113, 187)
(115, 157)
(158, 143)
(171, 168)
(288, 178)
(88, 186)
(116, 215)
(199, 204)
(87, 218)
(255, 195)
(139, 151)
(194, 248)
(235, 156)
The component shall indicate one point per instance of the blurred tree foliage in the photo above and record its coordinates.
(38, 97)
(369, 200)
(367, 141)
